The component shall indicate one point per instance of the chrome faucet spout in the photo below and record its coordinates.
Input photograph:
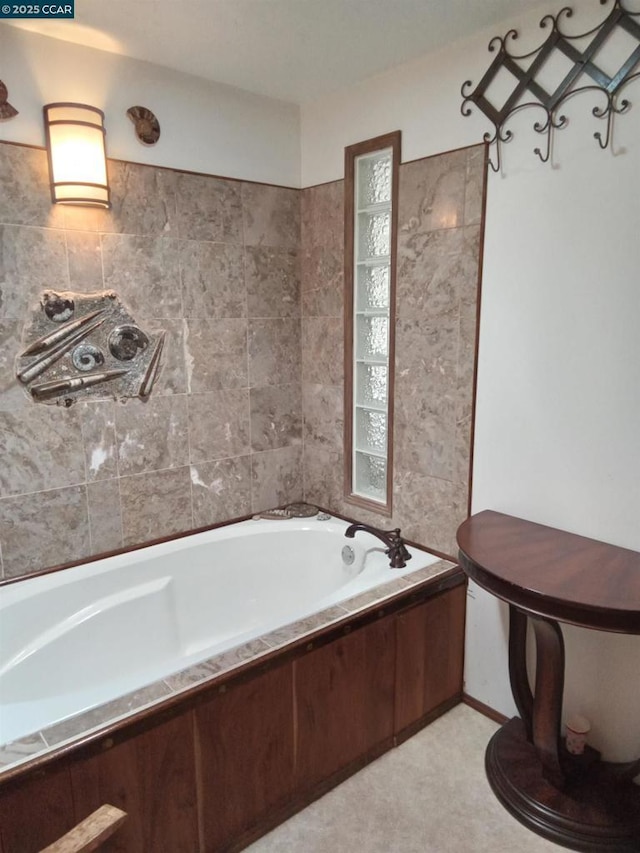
(396, 550)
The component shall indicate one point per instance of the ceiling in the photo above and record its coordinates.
(295, 50)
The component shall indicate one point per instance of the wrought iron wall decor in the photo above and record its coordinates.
(6, 110)
(86, 345)
(526, 66)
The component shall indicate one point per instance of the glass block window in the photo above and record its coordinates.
(371, 173)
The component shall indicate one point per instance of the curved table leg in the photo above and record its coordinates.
(547, 704)
(518, 668)
(591, 805)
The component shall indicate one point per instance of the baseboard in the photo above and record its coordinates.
(486, 710)
(304, 798)
(300, 800)
(424, 721)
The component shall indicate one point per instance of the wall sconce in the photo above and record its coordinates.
(77, 157)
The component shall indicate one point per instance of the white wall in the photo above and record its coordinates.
(205, 127)
(558, 416)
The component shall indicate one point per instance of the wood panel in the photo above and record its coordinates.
(245, 756)
(152, 778)
(36, 814)
(430, 654)
(345, 701)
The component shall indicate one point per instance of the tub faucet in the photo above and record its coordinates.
(396, 549)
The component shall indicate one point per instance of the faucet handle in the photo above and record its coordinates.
(398, 555)
(404, 551)
(397, 551)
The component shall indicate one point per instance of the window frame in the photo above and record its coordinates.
(352, 152)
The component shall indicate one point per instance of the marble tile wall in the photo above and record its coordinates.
(439, 234)
(322, 278)
(214, 262)
(247, 413)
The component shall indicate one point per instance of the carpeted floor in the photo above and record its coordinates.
(429, 795)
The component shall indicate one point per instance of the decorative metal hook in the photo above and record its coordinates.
(495, 167)
(544, 157)
(500, 137)
(547, 128)
(608, 113)
(584, 63)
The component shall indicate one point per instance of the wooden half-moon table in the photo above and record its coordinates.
(548, 576)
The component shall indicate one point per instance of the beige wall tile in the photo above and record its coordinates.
(152, 435)
(215, 354)
(143, 200)
(276, 416)
(155, 504)
(432, 192)
(25, 198)
(12, 393)
(40, 450)
(326, 300)
(43, 529)
(323, 477)
(31, 260)
(271, 216)
(432, 271)
(274, 352)
(172, 378)
(322, 350)
(474, 186)
(145, 273)
(276, 477)
(98, 422)
(323, 416)
(273, 282)
(208, 209)
(221, 490)
(105, 517)
(213, 280)
(322, 216)
(84, 254)
(219, 425)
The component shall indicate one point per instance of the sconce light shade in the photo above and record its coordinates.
(77, 157)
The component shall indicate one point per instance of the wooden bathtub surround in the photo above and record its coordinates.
(226, 762)
(548, 576)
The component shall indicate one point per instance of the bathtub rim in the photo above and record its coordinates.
(116, 731)
(129, 549)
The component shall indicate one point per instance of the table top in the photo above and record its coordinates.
(548, 572)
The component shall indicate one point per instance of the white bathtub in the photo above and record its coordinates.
(75, 639)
